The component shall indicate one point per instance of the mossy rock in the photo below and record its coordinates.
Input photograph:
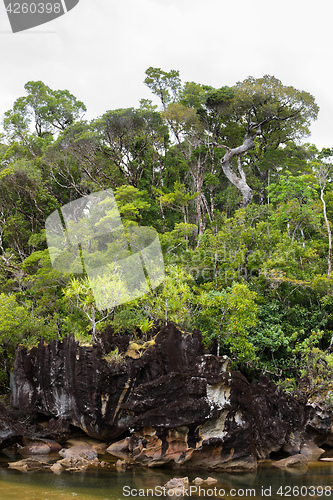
(135, 350)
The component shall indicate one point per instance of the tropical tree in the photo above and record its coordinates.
(323, 170)
(171, 301)
(187, 128)
(43, 112)
(230, 313)
(81, 295)
(266, 112)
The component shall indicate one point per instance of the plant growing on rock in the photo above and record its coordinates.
(115, 357)
(146, 326)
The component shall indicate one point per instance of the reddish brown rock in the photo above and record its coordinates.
(53, 446)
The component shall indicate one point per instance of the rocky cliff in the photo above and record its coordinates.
(171, 403)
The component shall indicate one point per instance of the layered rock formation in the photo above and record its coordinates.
(173, 404)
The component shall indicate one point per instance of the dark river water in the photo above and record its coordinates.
(109, 484)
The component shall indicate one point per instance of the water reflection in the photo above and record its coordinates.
(109, 484)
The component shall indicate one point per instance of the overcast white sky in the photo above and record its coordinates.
(100, 50)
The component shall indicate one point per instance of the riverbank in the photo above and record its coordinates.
(110, 484)
(165, 403)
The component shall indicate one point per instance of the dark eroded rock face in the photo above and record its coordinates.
(179, 404)
(63, 379)
(10, 431)
(279, 418)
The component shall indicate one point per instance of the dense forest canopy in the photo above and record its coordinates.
(241, 202)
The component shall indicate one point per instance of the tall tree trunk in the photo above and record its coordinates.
(201, 224)
(329, 232)
(240, 182)
(197, 172)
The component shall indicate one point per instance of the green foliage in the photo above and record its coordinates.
(130, 202)
(146, 326)
(171, 301)
(267, 100)
(228, 315)
(164, 84)
(178, 199)
(127, 318)
(283, 336)
(84, 293)
(43, 111)
(256, 280)
(317, 371)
